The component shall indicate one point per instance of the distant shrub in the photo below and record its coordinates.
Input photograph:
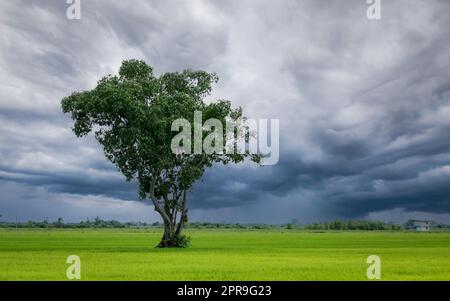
(181, 241)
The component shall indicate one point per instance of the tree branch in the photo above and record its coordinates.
(158, 207)
(183, 216)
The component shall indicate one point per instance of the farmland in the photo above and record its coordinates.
(129, 254)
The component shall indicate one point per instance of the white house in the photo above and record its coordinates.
(418, 225)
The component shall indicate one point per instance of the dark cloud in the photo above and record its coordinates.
(363, 105)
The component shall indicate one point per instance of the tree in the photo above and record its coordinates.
(131, 115)
(59, 223)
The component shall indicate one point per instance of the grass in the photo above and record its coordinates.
(223, 255)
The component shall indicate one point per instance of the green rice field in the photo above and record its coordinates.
(117, 254)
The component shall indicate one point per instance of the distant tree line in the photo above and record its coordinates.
(100, 223)
(88, 223)
(438, 226)
(208, 225)
(353, 225)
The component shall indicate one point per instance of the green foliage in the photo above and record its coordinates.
(353, 225)
(176, 241)
(131, 115)
(59, 223)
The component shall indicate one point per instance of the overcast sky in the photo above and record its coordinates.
(364, 105)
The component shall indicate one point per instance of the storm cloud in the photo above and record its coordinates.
(363, 105)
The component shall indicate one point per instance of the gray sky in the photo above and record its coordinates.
(363, 105)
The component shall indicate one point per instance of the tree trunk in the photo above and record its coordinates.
(172, 236)
(166, 240)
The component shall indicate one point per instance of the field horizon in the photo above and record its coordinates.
(130, 254)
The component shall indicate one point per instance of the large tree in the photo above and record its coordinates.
(132, 116)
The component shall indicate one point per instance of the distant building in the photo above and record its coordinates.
(418, 225)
